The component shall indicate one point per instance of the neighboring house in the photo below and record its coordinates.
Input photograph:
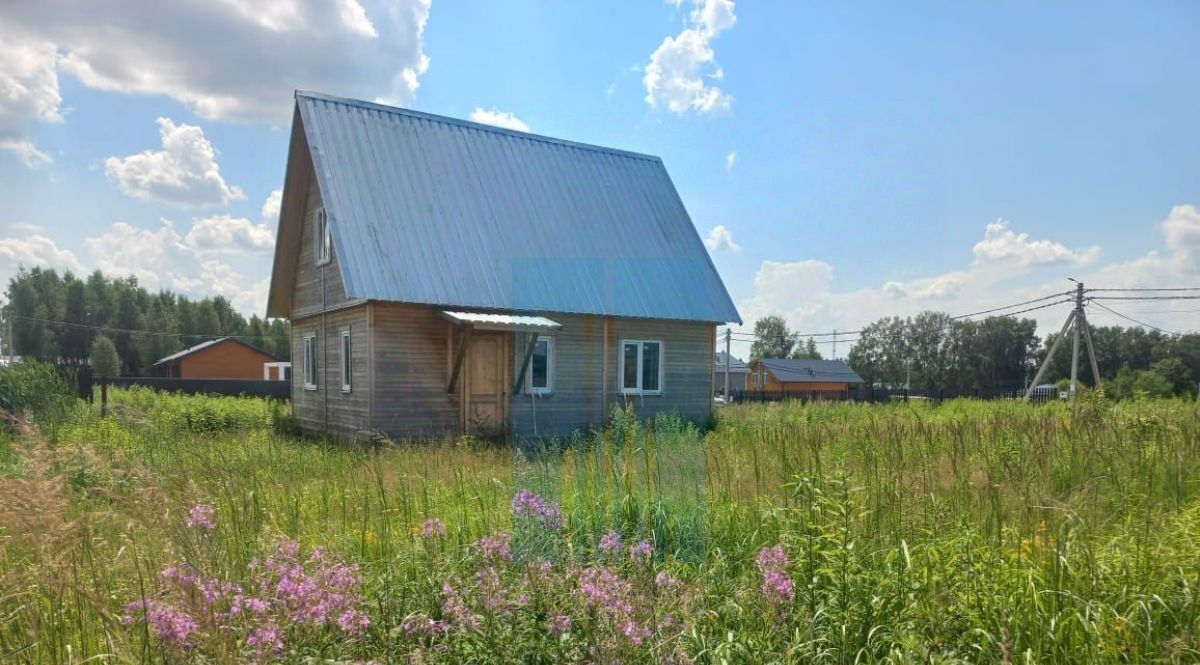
(221, 358)
(278, 371)
(826, 378)
(443, 276)
(739, 373)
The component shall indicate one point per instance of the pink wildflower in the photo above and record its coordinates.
(532, 505)
(496, 546)
(635, 632)
(433, 528)
(610, 543)
(664, 580)
(201, 517)
(558, 624)
(777, 585)
(641, 552)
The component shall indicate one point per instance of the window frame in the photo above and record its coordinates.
(530, 389)
(346, 364)
(309, 361)
(323, 242)
(641, 348)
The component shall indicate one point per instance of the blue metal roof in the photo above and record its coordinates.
(435, 210)
(799, 370)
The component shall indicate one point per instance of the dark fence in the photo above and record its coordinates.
(248, 387)
(878, 395)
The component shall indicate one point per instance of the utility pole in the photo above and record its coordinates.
(1075, 342)
(835, 344)
(728, 361)
(1077, 324)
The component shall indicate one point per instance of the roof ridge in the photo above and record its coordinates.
(471, 124)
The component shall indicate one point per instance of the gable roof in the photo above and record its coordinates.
(798, 370)
(435, 210)
(204, 345)
(737, 366)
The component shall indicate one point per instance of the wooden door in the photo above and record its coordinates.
(486, 398)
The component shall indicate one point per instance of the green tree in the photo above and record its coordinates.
(75, 332)
(808, 351)
(1177, 374)
(772, 339)
(104, 359)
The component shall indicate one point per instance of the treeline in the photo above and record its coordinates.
(932, 350)
(55, 317)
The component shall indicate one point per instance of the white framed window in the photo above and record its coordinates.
(310, 361)
(347, 366)
(641, 369)
(323, 248)
(539, 376)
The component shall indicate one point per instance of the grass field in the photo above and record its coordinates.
(191, 529)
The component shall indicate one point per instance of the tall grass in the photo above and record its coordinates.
(967, 532)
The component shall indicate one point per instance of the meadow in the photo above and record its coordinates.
(203, 529)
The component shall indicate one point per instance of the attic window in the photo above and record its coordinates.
(324, 245)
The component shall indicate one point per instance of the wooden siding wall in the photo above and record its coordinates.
(581, 353)
(318, 287)
(577, 398)
(328, 408)
(225, 360)
(412, 356)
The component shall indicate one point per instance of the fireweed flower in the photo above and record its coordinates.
(777, 584)
(663, 580)
(558, 624)
(635, 632)
(607, 591)
(641, 552)
(201, 517)
(433, 528)
(610, 543)
(496, 546)
(173, 626)
(532, 505)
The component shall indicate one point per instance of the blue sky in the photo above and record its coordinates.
(875, 145)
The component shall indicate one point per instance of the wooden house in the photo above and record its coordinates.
(221, 358)
(443, 276)
(739, 374)
(803, 377)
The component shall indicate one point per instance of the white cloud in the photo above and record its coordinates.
(230, 235)
(730, 160)
(720, 239)
(499, 119)
(184, 172)
(675, 76)
(1002, 246)
(804, 291)
(270, 208)
(36, 250)
(28, 95)
(231, 59)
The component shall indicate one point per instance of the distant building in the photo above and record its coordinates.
(221, 358)
(828, 379)
(446, 277)
(739, 373)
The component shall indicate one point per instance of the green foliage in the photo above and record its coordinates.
(966, 532)
(47, 393)
(55, 317)
(105, 362)
(772, 339)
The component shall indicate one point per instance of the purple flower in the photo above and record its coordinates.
(558, 624)
(606, 590)
(201, 517)
(496, 546)
(420, 625)
(664, 580)
(532, 505)
(433, 528)
(777, 585)
(456, 609)
(172, 626)
(635, 632)
(641, 552)
(267, 638)
(610, 543)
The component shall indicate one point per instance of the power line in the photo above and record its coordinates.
(1172, 288)
(1140, 323)
(1145, 298)
(133, 331)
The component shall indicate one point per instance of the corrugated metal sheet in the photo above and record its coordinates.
(797, 370)
(427, 209)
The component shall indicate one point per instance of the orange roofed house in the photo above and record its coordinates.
(222, 358)
(827, 379)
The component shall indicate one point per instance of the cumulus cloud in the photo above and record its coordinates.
(184, 172)
(230, 235)
(36, 250)
(270, 208)
(1002, 246)
(230, 60)
(499, 119)
(28, 95)
(804, 292)
(681, 68)
(720, 239)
